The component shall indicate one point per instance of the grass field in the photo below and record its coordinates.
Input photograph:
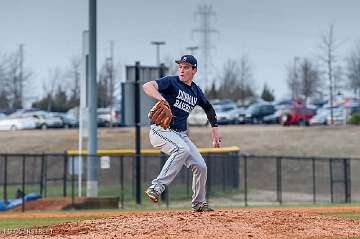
(262, 140)
(22, 223)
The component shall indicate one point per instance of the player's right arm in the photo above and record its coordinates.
(151, 88)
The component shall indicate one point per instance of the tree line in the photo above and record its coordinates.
(58, 99)
(315, 77)
(321, 77)
(61, 87)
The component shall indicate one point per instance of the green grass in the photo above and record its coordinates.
(25, 223)
(350, 215)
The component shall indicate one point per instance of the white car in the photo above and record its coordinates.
(17, 123)
(198, 117)
(2, 116)
(320, 118)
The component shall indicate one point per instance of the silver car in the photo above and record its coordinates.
(44, 119)
(227, 114)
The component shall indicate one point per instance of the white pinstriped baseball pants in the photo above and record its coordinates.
(182, 152)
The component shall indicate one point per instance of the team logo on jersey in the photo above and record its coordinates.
(185, 101)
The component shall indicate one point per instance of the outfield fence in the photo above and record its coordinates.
(234, 179)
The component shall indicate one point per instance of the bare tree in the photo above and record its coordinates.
(4, 95)
(228, 78)
(309, 79)
(14, 80)
(107, 84)
(292, 79)
(339, 82)
(235, 81)
(73, 75)
(329, 47)
(246, 78)
(50, 85)
(353, 71)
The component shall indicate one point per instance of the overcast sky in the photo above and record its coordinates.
(270, 33)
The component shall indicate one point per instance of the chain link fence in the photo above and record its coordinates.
(233, 179)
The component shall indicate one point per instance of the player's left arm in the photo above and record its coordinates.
(211, 115)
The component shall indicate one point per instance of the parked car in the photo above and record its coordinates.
(198, 117)
(2, 116)
(275, 118)
(109, 116)
(17, 123)
(320, 118)
(283, 103)
(69, 121)
(227, 114)
(42, 119)
(298, 116)
(25, 113)
(241, 114)
(222, 102)
(256, 112)
(340, 115)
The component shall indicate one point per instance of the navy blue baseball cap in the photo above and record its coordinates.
(188, 59)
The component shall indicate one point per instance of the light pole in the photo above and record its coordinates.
(192, 49)
(158, 44)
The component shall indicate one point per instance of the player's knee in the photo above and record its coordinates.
(184, 151)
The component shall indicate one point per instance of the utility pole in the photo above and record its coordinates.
(192, 49)
(205, 12)
(92, 176)
(158, 44)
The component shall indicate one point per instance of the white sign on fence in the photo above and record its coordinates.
(105, 162)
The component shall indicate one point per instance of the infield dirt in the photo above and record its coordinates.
(223, 223)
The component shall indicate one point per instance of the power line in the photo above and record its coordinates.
(205, 12)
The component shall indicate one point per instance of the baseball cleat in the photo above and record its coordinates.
(152, 195)
(202, 207)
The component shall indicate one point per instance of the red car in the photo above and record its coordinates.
(297, 116)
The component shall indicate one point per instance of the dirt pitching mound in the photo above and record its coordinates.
(47, 204)
(223, 223)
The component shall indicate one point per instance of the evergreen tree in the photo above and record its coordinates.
(267, 94)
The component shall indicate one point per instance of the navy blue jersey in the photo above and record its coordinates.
(182, 99)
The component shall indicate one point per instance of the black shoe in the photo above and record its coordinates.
(152, 195)
(202, 207)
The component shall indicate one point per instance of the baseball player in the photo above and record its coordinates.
(181, 94)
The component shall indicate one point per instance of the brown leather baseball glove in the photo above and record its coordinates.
(160, 114)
